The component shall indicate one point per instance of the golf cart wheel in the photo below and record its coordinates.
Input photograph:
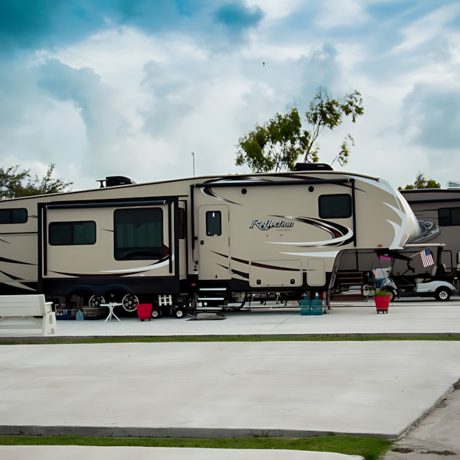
(155, 314)
(179, 313)
(96, 301)
(130, 302)
(442, 294)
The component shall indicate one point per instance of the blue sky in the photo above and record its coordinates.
(132, 87)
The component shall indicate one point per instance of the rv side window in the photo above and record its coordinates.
(335, 206)
(13, 216)
(72, 233)
(449, 216)
(213, 223)
(138, 234)
(181, 224)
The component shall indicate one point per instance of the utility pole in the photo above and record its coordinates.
(193, 159)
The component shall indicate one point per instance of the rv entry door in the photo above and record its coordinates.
(213, 242)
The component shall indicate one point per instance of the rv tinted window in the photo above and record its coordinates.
(335, 206)
(72, 233)
(213, 223)
(449, 216)
(181, 224)
(138, 234)
(13, 216)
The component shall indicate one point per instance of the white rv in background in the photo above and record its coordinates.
(236, 233)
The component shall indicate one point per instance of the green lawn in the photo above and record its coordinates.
(371, 448)
(231, 338)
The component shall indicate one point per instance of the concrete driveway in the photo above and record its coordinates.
(352, 318)
(158, 453)
(223, 389)
(227, 389)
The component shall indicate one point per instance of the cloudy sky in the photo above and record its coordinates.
(133, 87)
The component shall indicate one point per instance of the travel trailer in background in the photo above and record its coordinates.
(196, 238)
(438, 214)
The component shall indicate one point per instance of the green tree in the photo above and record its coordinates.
(279, 143)
(15, 183)
(421, 182)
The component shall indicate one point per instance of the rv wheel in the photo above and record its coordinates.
(130, 302)
(179, 313)
(155, 313)
(442, 294)
(96, 300)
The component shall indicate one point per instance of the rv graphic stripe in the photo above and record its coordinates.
(122, 271)
(428, 231)
(340, 234)
(239, 273)
(210, 192)
(12, 261)
(9, 275)
(257, 264)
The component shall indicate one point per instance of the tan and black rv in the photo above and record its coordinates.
(236, 233)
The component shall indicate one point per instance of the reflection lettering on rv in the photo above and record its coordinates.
(269, 224)
(340, 234)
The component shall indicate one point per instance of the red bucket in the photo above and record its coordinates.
(144, 311)
(382, 302)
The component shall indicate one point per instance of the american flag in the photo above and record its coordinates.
(427, 258)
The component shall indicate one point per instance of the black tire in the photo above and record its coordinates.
(442, 294)
(155, 314)
(180, 313)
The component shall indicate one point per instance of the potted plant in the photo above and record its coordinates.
(382, 300)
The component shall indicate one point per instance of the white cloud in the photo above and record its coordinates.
(427, 28)
(333, 13)
(124, 102)
(275, 9)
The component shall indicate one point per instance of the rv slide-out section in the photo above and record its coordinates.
(110, 248)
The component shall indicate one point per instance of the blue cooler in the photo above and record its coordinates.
(305, 306)
(316, 307)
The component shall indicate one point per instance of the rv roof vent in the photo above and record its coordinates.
(312, 167)
(112, 181)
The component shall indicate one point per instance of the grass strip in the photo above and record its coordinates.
(230, 338)
(371, 448)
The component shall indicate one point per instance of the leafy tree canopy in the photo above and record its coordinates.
(278, 144)
(421, 182)
(15, 183)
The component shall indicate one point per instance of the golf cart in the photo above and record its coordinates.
(413, 279)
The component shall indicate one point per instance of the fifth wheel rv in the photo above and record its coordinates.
(237, 233)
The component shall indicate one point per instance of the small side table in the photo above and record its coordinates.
(111, 306)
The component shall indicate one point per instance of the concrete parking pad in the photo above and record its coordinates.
(240, 388)
(158, 453)
(358, 317)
